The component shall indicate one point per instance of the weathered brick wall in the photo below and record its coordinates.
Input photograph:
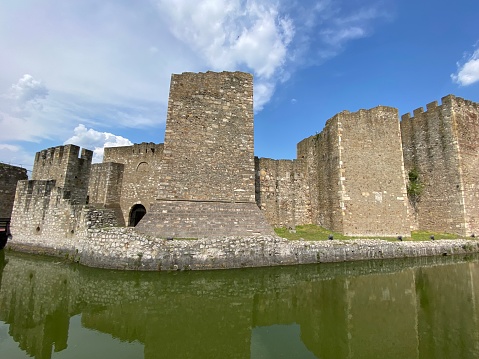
(63, 165)
(430, 146)
(466, 115)
(9, 176)
(134, 176)
(209, 151)
(282, 192)
(373, 187)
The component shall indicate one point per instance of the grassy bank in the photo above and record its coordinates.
(312, 232)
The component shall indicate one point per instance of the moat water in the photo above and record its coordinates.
(422, 308)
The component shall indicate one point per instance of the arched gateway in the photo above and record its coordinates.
(136, 214)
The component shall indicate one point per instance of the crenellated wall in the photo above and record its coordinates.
(204, 181)
(9, 176)
(64, 165)
(43, 210)
(441, 145)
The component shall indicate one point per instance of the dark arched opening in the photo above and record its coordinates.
(136, 214)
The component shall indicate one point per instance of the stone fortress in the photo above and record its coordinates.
(366, 174)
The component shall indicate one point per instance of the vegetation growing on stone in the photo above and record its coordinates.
(414, 186)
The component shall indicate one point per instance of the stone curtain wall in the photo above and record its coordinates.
(373, 187)
(43, 214)
(466, 115)
(430, 146)
(9, 176)
(140, 175)
(63, 165)
(282, 192)
(209, 150)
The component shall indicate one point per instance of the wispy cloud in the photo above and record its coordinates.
(467, 70)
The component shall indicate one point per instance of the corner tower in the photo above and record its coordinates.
(207, 184)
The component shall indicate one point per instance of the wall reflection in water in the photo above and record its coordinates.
(423, 308)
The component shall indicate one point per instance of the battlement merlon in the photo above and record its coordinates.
(448, 101)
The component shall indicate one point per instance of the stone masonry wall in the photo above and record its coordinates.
(45, 218)
(373, 187)
(42, 210)
(282, 192)
(63, 165)
(105, 183)
(466, 115)
(9, 176)
(104, 189)
(191, 219)
(207, 174)
(322, 156)
(140, 174)
(355, 174)
(209, 151)
(431, 148)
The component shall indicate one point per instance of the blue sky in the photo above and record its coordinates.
(97, 73)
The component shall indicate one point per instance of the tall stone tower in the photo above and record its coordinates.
(355, 173)
(441, 147)
(207, 182)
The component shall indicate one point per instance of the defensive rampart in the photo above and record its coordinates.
(204, 182)
(441, 156)
(64, 165)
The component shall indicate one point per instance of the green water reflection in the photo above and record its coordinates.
(425, 308)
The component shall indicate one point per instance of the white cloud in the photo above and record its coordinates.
(235, 35)
(96, 141)
(467, 71)
(28, 91)
(108, 63)
(20, 106)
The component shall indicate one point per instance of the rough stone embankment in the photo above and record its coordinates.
(123, 248)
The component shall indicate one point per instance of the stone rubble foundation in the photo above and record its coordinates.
(126, 249)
